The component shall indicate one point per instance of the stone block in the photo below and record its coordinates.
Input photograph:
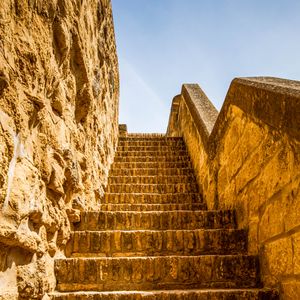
(158, 220)
(291, 289)
(291, 194)
(147, 273)
(272, 221)
(151, 242)
(253, 242)
(277, 259)
(249, 141)
(296, 252)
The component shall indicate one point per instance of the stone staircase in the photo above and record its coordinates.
(153, 237)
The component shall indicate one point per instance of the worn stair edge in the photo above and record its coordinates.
(151, 171)
(161, 188)
(157, 242)
(163, 158)
(158, 149)
(152, 207)
(9, 296)
(151, 165)
(157, 272)
(207, 294)
(162, 220)
(146, 136)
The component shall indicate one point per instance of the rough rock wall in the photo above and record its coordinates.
(59, 89)
(250, 162)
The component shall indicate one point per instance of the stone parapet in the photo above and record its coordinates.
(248, 158)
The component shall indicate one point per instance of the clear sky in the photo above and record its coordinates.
(162, 44)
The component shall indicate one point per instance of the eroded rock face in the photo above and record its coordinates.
(59, 89)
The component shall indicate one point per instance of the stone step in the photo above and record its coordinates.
(156, 220)
(204, 294)
(157, 242)
(153, 188)
(163, 148)
(147, 136)
(151, 172)
(174, 158)
(141, 198)
(158, 272)
(152, 207)
(167, 153)
(151, 179)
(162, 142)
(150, 165)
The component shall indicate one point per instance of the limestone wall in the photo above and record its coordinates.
(59, 89)
(250, 161)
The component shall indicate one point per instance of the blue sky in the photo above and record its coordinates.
(162, 44)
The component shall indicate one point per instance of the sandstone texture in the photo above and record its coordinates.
(249, 160)
(209, 211)
(59, 91)
(146, 248)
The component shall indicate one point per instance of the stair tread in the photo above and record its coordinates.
(153, 237)
(156, 242)
(156, 220)
(152, 207)
(169, 153)
(204, 290)
(191, 294)
(155, 257)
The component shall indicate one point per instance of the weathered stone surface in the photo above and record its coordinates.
(59, 90)
(156, 242)
(152, 207)
(291, 289)
(140, 198)
(153, 188)
(129, 249)
(277, 259)
(147, 273)
(160, 220)
(206, 294)
(250, 162)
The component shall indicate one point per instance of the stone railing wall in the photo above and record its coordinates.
(59, 93)
(247, 158)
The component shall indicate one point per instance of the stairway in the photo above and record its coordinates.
(153, 237)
